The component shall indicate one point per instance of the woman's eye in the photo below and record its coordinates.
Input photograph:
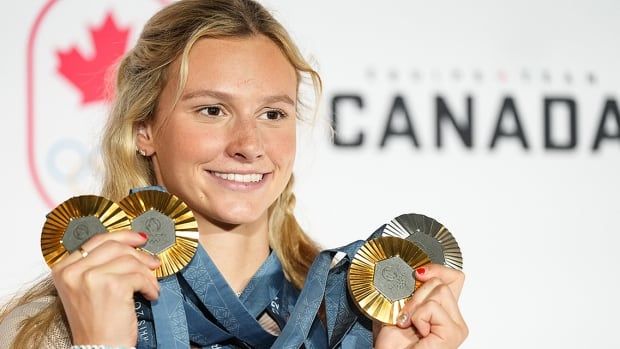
(273, 115)
(211, 111)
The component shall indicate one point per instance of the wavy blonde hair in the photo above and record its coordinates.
(141, 76)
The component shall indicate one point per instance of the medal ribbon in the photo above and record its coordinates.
(303, 327)
(228, 317)
(199, 305)
(178, 314)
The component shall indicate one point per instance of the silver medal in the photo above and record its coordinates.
(431, 236)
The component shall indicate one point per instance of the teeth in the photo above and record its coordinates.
(242, 178)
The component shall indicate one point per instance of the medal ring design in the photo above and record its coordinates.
(75, 221)
(381, 276)
(170, 225)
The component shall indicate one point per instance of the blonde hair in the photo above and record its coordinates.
(141, 76)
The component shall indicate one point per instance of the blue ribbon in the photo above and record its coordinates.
(297, 329)
(177, 318)
(198, 306)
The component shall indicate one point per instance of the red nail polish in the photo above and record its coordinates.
(144, 236)
(420, 271)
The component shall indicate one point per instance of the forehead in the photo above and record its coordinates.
(232, 64)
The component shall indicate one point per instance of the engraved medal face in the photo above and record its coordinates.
(170, 225)
(430, 245)
(431, 236)
(75, 221)
(81, 229)
(159, 228)
(394, 278)
(381, 276)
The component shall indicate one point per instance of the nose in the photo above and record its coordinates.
(245, 144)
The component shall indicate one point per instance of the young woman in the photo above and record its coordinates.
(206, 106)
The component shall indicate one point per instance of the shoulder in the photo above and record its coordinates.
(12, 322)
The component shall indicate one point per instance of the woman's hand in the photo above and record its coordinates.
(431, 318)
(97, 290)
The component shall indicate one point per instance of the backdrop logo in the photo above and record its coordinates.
(88, 74)
(478, 110)
(72, 49)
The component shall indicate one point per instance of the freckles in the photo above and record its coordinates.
(283, 149)
(190, 140)
(179, 142)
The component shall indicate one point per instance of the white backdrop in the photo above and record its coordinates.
(538, 226)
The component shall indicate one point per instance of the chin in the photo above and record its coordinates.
(239, 215)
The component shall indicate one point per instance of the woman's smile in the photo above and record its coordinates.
(239, 180)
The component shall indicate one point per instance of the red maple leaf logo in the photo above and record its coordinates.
(88, 74)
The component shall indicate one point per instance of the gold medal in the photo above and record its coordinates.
(170, 225)
(431, 236)
(76, 220)
(381, 277)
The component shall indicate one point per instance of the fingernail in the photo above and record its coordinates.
(144, 236)
(402, 318)
(420, 271)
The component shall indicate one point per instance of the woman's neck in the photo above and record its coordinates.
(237, 250)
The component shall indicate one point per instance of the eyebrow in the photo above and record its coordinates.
(227, 96)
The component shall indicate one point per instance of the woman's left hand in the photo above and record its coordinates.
(431, 318)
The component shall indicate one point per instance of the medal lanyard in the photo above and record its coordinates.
(236, 316)
(304, 318)
(171, 313)
(304, 326)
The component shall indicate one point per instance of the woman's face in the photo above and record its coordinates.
(227, 147)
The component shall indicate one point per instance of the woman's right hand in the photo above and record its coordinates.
(97, 290)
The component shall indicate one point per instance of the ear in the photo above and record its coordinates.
(144, 139)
